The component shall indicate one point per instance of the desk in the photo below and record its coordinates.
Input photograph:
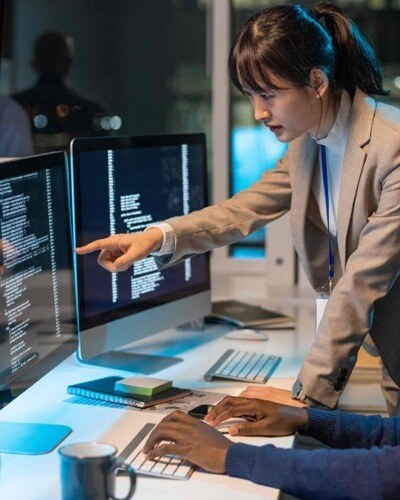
(37, 477)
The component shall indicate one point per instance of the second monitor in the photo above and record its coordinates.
(122, 185)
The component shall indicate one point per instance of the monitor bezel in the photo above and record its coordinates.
(21, 166)
(11, 168)
(81, 145)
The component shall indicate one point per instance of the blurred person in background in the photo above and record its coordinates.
(57, 112)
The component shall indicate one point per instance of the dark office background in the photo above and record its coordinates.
(147, 61)
(143, 61)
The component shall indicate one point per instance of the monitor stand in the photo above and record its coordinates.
(31, 439)
(132, 362)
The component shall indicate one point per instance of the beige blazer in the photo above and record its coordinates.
(368, 235)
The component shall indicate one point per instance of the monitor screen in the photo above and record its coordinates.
(36, 297)
(123, 185)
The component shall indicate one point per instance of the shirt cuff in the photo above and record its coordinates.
(320, 424)
(169, 241)
(240, 459)
(299, 394)
(266, 464)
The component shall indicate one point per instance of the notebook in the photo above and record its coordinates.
(104, 389)
(243, 315)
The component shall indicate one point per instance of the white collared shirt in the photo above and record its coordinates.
(335, 144)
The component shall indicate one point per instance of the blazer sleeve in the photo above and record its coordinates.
(231, 220)
(368, 276)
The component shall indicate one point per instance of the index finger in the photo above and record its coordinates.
(93, 246)
(163, 432)
(229, 407)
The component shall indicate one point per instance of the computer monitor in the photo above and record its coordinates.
(125, 184)
(37, 323)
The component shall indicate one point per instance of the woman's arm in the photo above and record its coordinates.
(202, 230)
(233, 219)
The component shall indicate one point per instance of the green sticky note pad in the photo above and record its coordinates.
(144, 386)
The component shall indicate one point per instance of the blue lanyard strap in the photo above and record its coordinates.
(331, 247)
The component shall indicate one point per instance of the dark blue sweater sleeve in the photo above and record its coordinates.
(370, 470)
(316, 474)
(344, 430)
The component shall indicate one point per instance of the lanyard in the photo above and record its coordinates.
(331, 247)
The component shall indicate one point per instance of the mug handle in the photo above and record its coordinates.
(132, 476)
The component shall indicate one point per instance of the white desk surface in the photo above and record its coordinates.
(37, 477)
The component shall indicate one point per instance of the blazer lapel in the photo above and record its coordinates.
(362, 114)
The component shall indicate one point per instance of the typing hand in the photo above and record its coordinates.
(265, 417)
(120, 251)
(281, 396)
(192, 440)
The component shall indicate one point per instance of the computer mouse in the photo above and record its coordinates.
(223, 427)
(246, 334)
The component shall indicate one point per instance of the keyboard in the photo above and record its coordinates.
(170, 466)
(244, 365)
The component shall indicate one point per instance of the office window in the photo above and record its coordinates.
(135, 67)
(254, 149)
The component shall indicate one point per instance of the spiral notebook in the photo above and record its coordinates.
(104, 390)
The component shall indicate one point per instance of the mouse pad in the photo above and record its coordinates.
(31, 439)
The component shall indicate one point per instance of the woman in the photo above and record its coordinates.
(309, 76)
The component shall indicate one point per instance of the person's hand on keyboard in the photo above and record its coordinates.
(190, 439)
(265, 417)
(274, 394)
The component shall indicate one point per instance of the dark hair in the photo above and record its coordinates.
(53, 53)
(289, 40)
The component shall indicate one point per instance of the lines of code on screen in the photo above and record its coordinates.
(124, 191)
(33, 249)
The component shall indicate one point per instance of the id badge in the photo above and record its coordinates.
(320, 304)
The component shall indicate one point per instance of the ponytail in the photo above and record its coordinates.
(288, 41)
(356, 63)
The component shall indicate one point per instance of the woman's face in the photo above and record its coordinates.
(289, 111)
